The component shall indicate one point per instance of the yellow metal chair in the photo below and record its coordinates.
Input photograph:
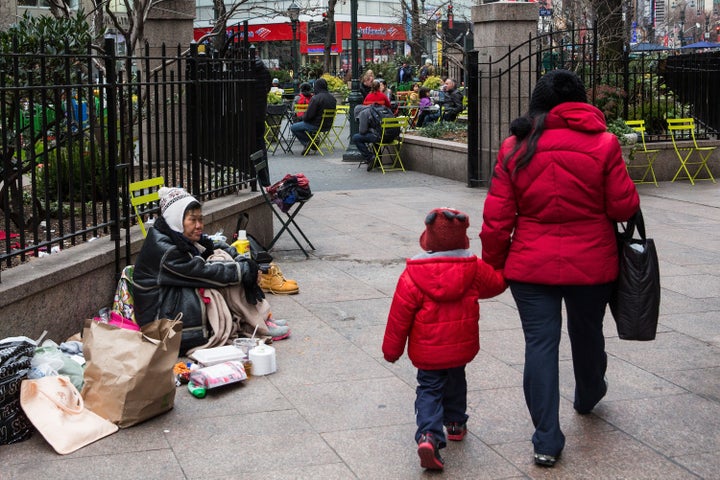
(319, 138)
(389, 145)
(273, 128)
(342, 113)
(145, 199)
(641, 157)
(684, 129)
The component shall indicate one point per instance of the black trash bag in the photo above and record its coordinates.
(15, 356)
(635, 302)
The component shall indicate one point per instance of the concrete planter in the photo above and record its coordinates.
(435, 157)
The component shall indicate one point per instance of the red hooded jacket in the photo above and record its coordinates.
(551, 222)
(435, 309)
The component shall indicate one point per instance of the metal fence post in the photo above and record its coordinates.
(471, 69)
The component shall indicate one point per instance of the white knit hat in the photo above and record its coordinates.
(173, 202)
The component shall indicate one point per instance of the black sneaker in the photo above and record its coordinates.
(545, 460)
(429, 453)
(456, 431)
(584, 410)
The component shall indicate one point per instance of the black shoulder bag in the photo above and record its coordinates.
(635, 302)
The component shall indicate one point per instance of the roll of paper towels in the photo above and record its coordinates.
(263, 360)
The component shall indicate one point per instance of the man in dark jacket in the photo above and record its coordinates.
(451, 105)
(405, 73)
(453, 102)
(368, 133)
(321, 101)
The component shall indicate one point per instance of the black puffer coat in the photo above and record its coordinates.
(321, 100)
(168, 272)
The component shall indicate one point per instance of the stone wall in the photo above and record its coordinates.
(58, 292)
(449, 159)
(8, 10)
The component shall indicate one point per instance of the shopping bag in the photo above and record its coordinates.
(635, 301)
(129, 374)
(56, 409)
(16, 355)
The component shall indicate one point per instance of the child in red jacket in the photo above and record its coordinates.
(435, 310)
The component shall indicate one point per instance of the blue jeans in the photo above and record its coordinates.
(302, 130)
(361, 141)
(441, 398)
(430, 118)
(540, 308)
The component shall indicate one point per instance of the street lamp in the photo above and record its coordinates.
(352, 154)
(293, 12)
(682, 27)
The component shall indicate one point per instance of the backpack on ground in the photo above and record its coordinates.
(377, 113)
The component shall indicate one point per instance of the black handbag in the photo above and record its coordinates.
(635, 301)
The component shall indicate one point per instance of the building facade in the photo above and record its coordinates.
(381, 27)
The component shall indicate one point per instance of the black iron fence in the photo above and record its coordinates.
(650, 86)
(75, 129)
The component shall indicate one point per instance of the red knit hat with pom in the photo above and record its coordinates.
(445, 229)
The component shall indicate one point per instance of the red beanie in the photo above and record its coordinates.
(445, 229)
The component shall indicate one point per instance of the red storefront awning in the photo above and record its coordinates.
(283, 32)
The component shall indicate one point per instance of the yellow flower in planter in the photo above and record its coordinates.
(274, 98)
(336, 85)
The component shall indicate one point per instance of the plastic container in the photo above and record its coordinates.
(242, 244)
(213, 356)
(263, 360)
(218, 375)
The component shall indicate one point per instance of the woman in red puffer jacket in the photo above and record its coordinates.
(559, 184)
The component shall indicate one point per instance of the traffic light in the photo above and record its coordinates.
(450, 15)
(324, 17)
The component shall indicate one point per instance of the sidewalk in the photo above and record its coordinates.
(336, 410)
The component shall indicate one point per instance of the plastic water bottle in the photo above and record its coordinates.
(196, 391)
(242, 244)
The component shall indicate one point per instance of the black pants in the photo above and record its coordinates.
(441, 398)
(540, 308)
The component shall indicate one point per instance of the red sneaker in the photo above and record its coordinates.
(456, 431)
(429, 453)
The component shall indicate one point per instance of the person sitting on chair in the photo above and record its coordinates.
(303, 98)
(425, 105)
(376, 96)
(321, 101)
(367, 133)
(452, 104)
(275, 88)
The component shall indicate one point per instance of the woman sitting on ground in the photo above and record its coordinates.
(181, 270)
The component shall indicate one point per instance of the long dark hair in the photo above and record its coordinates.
(527, 131)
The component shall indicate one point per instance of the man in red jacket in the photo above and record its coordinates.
(559, 184)
(435, 310)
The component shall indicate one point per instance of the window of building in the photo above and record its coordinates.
(45, 3)
(33, 3)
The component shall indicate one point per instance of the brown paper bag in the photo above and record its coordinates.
(129, 374)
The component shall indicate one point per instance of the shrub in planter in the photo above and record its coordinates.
(433, 82)
(336, 85)
(625, 134)
(77, 173)
(442, 130)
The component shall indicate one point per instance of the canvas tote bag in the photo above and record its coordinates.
(56, 409)
(129, 374)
